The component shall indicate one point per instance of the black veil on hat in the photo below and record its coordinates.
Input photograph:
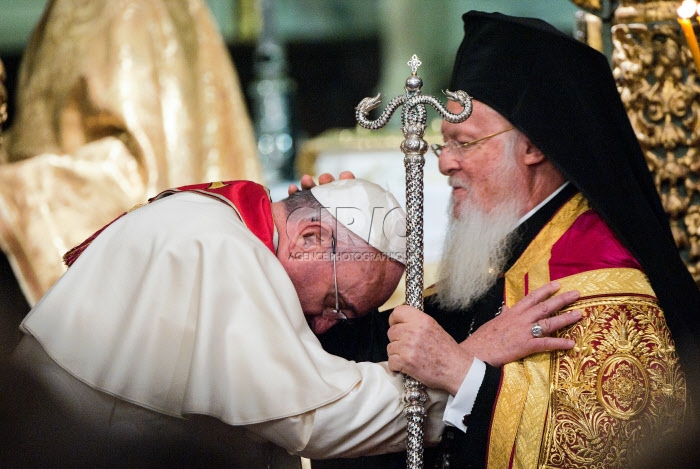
(561, 94)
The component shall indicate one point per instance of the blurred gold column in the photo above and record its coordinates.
(248, 19)
(660, 88)
(3, 111)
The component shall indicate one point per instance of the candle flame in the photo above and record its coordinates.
(687, 8)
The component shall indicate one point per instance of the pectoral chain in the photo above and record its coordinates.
(473, 322)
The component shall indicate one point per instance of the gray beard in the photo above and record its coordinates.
(476, 249)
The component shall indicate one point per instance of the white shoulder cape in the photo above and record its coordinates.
(179, 308)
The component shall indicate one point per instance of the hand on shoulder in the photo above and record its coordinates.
(509, 336)
(422, 349)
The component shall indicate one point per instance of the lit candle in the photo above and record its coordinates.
(685, 11)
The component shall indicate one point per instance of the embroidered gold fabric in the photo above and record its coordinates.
(117, 101)
(517, 381)
(620, 386)
(593, 406)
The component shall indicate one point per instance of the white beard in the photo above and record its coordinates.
(476, 248)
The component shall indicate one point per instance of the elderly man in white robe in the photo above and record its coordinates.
(183, 333)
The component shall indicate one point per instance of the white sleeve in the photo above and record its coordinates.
(368, 420)
(461, 404)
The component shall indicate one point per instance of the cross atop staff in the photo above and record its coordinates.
(413, 124)
(414, 63)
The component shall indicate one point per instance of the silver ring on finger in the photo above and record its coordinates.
(537, 330)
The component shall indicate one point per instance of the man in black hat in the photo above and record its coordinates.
(549, 183)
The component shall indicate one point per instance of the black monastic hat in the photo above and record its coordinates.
(561, 94)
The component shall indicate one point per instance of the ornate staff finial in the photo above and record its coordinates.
(413, 120)
(414, 63)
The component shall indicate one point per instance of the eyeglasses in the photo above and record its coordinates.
(336, 313)
(452, 145)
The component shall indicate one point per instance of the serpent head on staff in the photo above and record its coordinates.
(367, 104)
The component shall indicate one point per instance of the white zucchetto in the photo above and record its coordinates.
(369, 211)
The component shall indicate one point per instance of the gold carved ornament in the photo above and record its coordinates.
(660, 89)
(660, 86)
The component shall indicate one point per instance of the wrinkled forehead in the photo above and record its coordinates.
(349, 243)
(343, 235)
(383, 227)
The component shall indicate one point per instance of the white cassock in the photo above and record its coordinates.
(177, 307)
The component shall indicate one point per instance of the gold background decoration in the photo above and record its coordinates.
(660, 88)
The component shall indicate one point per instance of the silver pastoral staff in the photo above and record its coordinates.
(413, 123)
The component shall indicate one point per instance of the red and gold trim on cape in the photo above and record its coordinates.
(594, 405)
(248, 199)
